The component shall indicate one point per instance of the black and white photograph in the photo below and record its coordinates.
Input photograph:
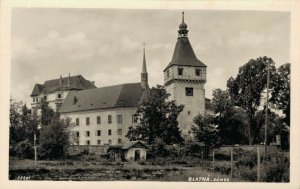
(160, 95)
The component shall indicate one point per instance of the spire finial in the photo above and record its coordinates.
(182, 16)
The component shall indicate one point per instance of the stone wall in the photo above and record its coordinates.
(91, 149)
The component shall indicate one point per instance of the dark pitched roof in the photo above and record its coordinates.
(37, 89)
(76, 82)
(124, 95)
(184, 55)
(133, 144)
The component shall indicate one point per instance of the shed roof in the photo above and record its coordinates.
(133, 144)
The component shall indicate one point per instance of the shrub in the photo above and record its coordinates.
(247, 159)
(24, 149)
(247, 173)
(223, 169)
(276, 169)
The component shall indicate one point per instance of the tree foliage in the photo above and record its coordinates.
(231, 120)
(55, 138)
(157, 119)
(205, 130)
(246, 90)
(23, 125)
(281, 91)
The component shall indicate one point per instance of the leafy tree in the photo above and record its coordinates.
(15, 127)
(157, 119)
(230, 120)
(281, 91)
(247, 88)
(206, 131)
(55, 138)
(23, 125)
(47, 113)
(22, 128)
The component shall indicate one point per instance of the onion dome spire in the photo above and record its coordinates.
(182, 32)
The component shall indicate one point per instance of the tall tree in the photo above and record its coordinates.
(206, 131)
(55, 138)
(47, 113)
(246, 90)
(230, 120)
(281, 91)
(23, 125)
(157, 119)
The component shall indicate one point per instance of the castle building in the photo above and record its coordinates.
(55, 91)
(104, 115)
(184, 80)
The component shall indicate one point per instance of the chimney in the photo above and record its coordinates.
(60, 81)
(69, 80)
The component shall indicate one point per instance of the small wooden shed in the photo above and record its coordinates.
(135, 151)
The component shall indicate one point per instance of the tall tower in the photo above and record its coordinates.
(146, 96)
(144, 74)
(184, 80)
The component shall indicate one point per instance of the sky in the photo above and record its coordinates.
(106, 45)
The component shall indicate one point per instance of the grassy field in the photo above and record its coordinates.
(101, 171)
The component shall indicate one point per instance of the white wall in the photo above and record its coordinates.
(193, 105)
(104, 126)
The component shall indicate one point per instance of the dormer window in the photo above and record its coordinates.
(168, 73)
(180, 71)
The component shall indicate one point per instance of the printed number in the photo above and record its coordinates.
(23, 178)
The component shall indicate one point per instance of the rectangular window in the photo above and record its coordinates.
(109, 132)
(119, 141)
(33, 99)
(109, 141)
(189, 91)
(119, 119)
(87, 133)
(58, 95)
(37, 99)
(99, 142)
(87, 142)
(77, 121)
(109, 119)
(197, 72)
(98, 133)
(45, 97)
(77, 134)
(180, 71)
(168, 73)
(134, 118)
(98, 120)
(87, 121)
(119, 131)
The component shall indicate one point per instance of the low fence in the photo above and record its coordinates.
(249, 161)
